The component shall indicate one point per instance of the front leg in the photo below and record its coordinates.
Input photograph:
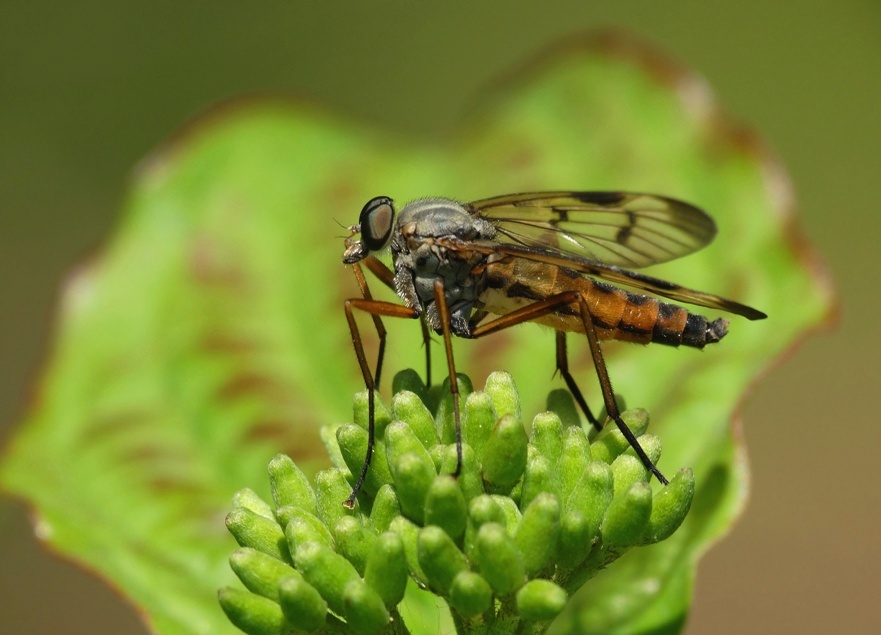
(385, 275)
(374, 308)
(377, 321)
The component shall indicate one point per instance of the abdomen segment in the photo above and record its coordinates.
(617, 314)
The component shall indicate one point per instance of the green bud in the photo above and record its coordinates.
(470, 594)
(386, 570)
(407, 406)
(327, 571)
(440, 558)
(592, 492)
(506, 400)
(466, 386)
(547, 436)
(651, 445)
(481, 510)
(302, 604)
(511, 512)
(385, 508)
(365, 611)
(438, 455)
(573, 461)
(470, 481)
(353, 541)
(540, 600)
(413, 476)
(584, 511)
(561, 402)
(289, 485)
(486, 509)
(331, 489)
(445, 420)
(409, 533)
(258, 572)
(627, 517)
(445, 506)
(478, 419)
(352, 442)
(301, 526)
(537, 479)
(670, 505)
(410, 381)
(252, 613)
(247, 498)
(627, 470)
(400, 439)
(538, 531)
(504, 456)
(576, 540)
(500, 560)
(609, 443)
(258, 532)
(361, 413)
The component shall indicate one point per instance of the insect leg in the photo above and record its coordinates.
(377, 321)
(548, 305)
(563, 367)
(385, 275)
(374, 308)
(443, 313)
(426, 343)
(608, 394)
(381, 271)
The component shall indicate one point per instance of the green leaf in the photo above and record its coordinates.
(209, 336)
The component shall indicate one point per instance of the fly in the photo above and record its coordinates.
(555, 258)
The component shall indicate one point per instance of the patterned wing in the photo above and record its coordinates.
(620, 229)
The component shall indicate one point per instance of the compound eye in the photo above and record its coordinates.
(377, 219)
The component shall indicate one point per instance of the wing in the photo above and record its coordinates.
(612, 228)
(616, 275)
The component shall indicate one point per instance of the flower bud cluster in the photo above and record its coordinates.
(528, 520)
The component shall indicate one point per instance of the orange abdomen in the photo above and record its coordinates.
(617, 314)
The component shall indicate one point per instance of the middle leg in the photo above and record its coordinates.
(563, 367)
(548, 306)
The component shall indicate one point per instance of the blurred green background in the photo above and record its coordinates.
(87, 90)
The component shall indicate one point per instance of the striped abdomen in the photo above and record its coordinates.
(617, 314)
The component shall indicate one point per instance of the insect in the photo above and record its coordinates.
(555, 258)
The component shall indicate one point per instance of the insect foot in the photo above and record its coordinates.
(528, 521)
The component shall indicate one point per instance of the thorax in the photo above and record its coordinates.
(431, 243)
